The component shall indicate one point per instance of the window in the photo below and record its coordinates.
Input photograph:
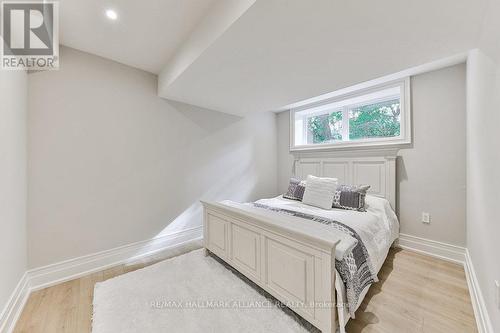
(375, 116)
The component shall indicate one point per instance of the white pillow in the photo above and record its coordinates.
(320, 191)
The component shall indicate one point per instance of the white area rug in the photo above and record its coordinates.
(189, 293)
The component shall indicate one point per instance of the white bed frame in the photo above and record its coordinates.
(295, 268)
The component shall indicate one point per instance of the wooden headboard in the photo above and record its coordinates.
(377, 169)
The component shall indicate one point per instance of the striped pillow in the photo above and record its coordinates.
(350, 197)
(320, 191)
(296, 190)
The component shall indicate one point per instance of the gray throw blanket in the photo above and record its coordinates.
(355, 269)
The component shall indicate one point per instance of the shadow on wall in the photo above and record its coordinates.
(219, 164)
(401, 176)
(209, 120)
(242, 179)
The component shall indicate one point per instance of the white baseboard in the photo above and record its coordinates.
(50, 275)
(480, 311)
(15, 305)
(432, 248)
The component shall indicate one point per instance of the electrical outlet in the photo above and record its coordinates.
(497, 285)
(426, 218)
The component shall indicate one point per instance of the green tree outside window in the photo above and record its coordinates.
(366, 121)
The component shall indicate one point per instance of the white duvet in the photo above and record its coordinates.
(378, 227)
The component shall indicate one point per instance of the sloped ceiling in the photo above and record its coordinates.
(282, 51)
(240, 56)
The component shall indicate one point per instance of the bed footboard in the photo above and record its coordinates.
(294, 268)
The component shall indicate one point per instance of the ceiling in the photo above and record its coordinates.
(145, 35)
(270, 53)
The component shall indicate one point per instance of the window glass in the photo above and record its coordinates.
(324, 128)
(375, 120)
(373, 116)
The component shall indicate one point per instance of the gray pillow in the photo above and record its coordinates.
(351, 197)
(296, 190)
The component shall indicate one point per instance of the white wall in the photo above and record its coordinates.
(431, 174)
(111, 163)
(13, 98)
(483, 160)
(483, 182)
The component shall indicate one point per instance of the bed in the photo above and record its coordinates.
(279, 244)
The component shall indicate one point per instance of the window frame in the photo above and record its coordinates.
(404, 138)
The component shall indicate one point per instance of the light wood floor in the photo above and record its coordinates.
(416, 293)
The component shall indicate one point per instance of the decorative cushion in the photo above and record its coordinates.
(320, 191)
(350, 197)
(296, 190)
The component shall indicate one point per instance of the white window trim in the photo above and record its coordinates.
(405, 137)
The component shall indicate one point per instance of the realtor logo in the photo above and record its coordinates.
(30, 35)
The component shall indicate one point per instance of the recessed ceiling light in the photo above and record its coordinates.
(111, 14)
